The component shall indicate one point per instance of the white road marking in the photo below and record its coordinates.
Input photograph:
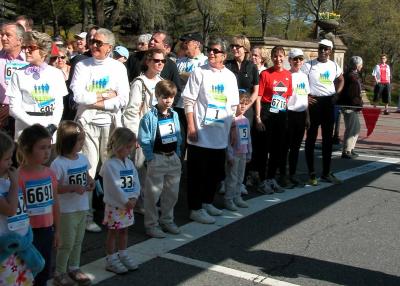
(227, 271)
(152, 248)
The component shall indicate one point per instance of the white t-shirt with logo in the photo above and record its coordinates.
(299, 99)
(215, 93)
(321, 76)
(19, 222)
(72, 172)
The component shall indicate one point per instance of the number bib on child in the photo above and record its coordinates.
(167, 131)
(278, 103)
(78, 176)
(39, 196)
(243, 134)
(127, 181)
(11, 67)
(20, 219)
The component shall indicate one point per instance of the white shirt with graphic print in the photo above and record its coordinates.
(299, 99)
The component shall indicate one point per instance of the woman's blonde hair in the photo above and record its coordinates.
(42, 40)
(120, 137)
(67, 136)
(244, 42)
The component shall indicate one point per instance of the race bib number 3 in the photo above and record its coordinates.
(21, 219)
(244, 134)
(167, 131)
(127, 181)
(78, 176)
(215, 115)
(39, 196)
(278, 103)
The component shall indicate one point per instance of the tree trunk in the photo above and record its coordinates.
(85, 15)
(115, 13)
(56, 29)
(99, 10)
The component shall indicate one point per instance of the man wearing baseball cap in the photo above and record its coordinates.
(121, 54)
(326, 80)
(80, 42)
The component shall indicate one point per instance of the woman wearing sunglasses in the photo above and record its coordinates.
(36, 91)
(60, 61)
(141, 100)
(210, 98)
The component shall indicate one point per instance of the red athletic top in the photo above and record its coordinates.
(274, 82)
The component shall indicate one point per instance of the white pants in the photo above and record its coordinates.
(95, 148)
(162, 183)
(352, 129)
(234, 176)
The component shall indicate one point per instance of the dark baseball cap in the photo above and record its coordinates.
(192, 37)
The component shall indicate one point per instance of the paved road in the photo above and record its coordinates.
(329, 235)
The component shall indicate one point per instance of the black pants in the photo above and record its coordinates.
(274, 141)
(321, 113)
(295, 134)
(205, 169)
(183, 126)
(43, 241)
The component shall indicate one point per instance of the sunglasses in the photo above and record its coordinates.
(30, 48)
(215, 51)
(60, 57)
(157, 61)
(324, 48)
(98, 43)
(235, 46)
(298, 59)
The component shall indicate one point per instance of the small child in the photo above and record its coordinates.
(160, 139)
(19, 260)
(39, 185)
(71, 168)
(238, 154)
(121, 189)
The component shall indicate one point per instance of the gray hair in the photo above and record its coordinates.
(355, 61)
(110, 38)
(219, 41)
(42, 40)
(144, 38)
(19, 29)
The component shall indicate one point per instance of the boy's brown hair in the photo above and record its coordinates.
(165, 88)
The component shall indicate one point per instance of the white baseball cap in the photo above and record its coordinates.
(326, 43)
(296, 53)
(122, 51)
(81, 35)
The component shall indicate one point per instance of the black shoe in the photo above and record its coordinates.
(354, 154)
(347, 155)
(386, 112)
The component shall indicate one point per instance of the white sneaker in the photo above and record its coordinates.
(240, 202)
(116, 266)
(201, 216)
(212, 210)
(155, 232)
(91, 226)
(128, 262)
(230, 205)
(243, 190)
(221, 189)
(265, 187)
(275, 186)
(170, 227)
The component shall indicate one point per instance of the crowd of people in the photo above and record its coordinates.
(74, 112)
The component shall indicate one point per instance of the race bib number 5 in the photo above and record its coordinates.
(278, 103)
(39, 196)
(244, 134)
(20, 219)
(127, 181)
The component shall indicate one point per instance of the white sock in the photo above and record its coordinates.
(73, 268)
(123, 253)
(112, 256)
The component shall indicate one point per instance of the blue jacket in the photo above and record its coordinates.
(13, 243)
(148, 130)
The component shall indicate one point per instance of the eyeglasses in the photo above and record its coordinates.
(298, 59)
(236, 46)
(156, 61)
(60, 57)
(215, 51)
(30, 48)
(98, 43)
(324, 48)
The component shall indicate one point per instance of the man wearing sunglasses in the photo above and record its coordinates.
(11, 59)
(326, 80)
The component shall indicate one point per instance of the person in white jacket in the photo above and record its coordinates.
(101, 89)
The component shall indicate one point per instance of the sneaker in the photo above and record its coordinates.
(330, 178)
(240, 202)
(243, 189)
(63, 279)
(386, 112)
(201, 216)
(294, 181)
(284, 182)
(276, 187)
(312, 181)
(170, 228)
(81, 278)
(221, 189)
(230, 205)
(347, 155)
(128, 262)
(91, 226)
(155, 232)
(212, 210)
(116, 266)
(265, 188)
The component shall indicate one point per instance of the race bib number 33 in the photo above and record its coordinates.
(39, 196)
(127, 181)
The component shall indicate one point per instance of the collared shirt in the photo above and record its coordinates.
(7, 67)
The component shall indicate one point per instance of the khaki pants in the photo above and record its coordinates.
(162, 183)
(234, 177)
(352, 125)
